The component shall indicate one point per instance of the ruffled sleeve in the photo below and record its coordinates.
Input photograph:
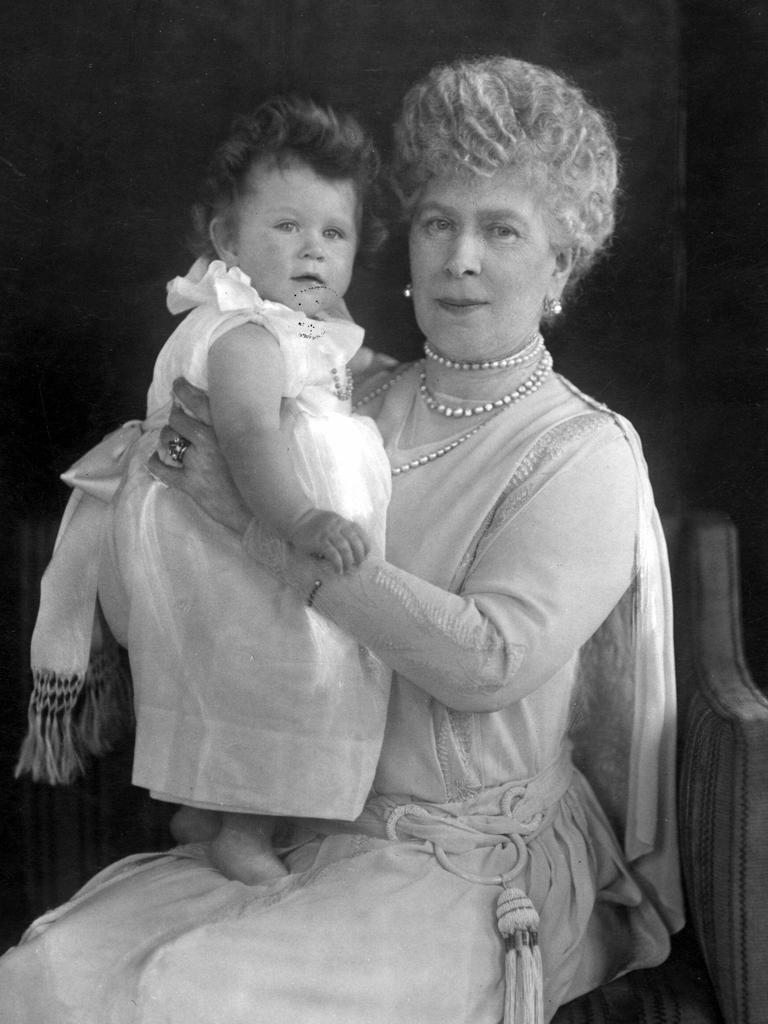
(225, 298)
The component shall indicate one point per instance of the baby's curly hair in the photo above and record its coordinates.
(481, 115)
(281, 130)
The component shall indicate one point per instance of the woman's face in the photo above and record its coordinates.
(481, 264)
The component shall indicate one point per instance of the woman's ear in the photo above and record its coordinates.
(563, 266)
(222, 241)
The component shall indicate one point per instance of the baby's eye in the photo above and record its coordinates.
(333, 233)
(287, 225)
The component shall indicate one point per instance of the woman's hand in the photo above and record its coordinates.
(203, 473)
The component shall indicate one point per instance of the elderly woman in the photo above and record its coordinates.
(524, 610)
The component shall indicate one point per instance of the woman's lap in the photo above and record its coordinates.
(379, 937)
(358, 940)
(363, 931)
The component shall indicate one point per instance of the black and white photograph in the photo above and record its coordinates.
(384, 502)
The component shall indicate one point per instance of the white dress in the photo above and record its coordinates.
(245, 699)
(502, 562)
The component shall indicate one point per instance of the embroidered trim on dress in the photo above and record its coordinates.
(546, 448)
(473, 638)
(477, 639)
(454, 754)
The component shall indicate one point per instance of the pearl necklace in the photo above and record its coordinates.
(528, 386)
(531, 349)
(439, 452)
(423, 460)
(382, 387)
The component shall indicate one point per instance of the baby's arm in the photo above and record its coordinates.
(245, 380)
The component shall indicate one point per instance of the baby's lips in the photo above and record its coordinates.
(310, 281)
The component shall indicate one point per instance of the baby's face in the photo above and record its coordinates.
(295, 235)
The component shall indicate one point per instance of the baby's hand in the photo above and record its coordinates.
(327, 535)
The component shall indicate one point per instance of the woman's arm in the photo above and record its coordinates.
(539, 587)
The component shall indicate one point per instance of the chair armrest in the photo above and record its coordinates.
(723, 785)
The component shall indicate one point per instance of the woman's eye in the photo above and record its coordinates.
(504, 231)
(437, 225)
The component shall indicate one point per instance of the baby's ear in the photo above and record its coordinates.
(222, 241)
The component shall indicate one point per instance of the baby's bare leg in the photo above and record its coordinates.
(195, 825)
(242, 850)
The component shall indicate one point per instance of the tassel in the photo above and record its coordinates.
(73, 717)
(51, 751)
(519, 923)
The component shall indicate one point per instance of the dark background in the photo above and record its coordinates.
(110, 111)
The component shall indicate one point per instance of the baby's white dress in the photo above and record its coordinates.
(245, 698)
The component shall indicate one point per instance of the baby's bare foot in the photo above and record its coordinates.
(245, 857)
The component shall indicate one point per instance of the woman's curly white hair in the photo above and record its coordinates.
(483, 115)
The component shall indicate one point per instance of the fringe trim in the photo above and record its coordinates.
(72, 718)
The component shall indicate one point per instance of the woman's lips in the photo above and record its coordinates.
(460, 305)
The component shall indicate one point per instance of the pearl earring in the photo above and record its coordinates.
(408, 291)
(552, 307)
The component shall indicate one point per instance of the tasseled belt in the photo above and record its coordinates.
(509, 815)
